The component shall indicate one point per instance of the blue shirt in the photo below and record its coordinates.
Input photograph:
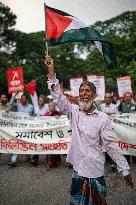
(19, 107)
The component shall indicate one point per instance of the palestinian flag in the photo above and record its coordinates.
(63, 28)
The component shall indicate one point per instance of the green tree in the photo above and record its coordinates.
(28, 50)
(7, 41)
(7, 21)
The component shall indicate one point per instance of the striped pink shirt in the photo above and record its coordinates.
(90, 132)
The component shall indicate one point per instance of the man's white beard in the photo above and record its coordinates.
(85, 105)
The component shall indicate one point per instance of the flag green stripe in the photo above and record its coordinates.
(84, 35)
(78, 35)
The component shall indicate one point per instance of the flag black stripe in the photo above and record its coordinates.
(58, 11)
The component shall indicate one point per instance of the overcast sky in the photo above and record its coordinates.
(30, 13)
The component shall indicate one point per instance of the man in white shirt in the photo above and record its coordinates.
(25, 107)
(108, 107)
(91, 130)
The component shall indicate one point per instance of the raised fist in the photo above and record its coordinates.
(48, 60)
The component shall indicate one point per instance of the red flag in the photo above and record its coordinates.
(15, 80)
(57, 22)
(31, 87)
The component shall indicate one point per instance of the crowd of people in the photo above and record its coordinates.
(112, 104)
(44, 107)
(47, 107)
(81, 111)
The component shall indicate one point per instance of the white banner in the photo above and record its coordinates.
(124, 126)
(24, 134)
(124, 85)
(99, 82)
(75, 84)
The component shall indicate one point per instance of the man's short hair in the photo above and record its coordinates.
(4, 94)
(108, 95)
(90, 84)
(43, 97)
(128, 93)
(24, 96)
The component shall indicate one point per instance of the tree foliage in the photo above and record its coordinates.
(28, 50)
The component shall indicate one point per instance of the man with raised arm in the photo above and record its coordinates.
(25, 107)
(91, 130)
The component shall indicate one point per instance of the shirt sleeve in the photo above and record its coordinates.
(109, 143)
(101, 107)
(32, 109)
(34, 99)
(61, 101)
(120, 107)
(115, 109)
(12, 103)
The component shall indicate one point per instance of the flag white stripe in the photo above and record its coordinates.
(98, 45)
(75, 24)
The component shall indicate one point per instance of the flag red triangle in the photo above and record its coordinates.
(31, 87)
(56, 24)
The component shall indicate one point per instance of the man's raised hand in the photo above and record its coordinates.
(49, 63)
(128, 180)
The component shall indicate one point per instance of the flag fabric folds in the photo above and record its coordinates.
(63, 28)
(31, 87)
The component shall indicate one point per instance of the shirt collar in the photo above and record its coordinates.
(109, 105)
(95, 111)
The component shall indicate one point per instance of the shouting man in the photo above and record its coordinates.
(91, 130)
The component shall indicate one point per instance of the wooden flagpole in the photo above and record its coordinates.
(46, 39)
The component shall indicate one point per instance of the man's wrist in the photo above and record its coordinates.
(52, 77)
(125, 173)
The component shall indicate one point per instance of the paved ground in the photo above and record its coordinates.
(28, 185)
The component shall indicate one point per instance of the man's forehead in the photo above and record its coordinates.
(127, 95)
(3, 95)
(85, 86)
(108, 95)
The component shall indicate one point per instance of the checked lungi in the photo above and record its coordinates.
(87, 191)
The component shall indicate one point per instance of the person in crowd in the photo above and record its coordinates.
(40, 108)
(25, 107)
(4, 104)
(126, 106)
(134, 98)
(91, 130)
(108, 107)
(68, 94)
(116, 100)
(53, 160)
(49, 98)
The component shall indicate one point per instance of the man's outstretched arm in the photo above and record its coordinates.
(54, 87)
(110, 145)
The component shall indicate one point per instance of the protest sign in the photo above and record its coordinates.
(15, 80)
(124, 85)
(75, 84)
